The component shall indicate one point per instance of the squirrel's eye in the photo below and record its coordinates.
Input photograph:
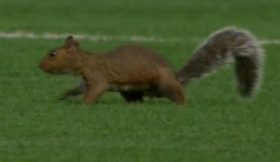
(52, 53)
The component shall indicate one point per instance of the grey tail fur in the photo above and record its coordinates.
(222, 46)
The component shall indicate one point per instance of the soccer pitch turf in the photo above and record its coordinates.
(214, 125)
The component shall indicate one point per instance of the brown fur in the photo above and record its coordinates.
(129, 69)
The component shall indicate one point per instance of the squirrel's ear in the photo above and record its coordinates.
(71, 42)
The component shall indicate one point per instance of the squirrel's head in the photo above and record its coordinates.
(61, 60)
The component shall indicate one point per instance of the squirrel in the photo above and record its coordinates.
(136, 72)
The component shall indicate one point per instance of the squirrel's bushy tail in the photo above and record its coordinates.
(222, 46)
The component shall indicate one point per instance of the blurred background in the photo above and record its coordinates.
(183, 18)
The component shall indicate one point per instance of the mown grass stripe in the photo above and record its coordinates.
(103, 37)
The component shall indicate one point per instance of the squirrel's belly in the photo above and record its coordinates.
(127, 87)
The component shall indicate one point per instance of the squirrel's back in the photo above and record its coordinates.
(137, 55)
(132, 61)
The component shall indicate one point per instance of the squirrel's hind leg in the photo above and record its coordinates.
(173, 90)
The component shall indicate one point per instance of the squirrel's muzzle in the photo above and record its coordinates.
(43, 66)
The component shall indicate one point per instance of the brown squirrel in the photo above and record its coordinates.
(135, 72)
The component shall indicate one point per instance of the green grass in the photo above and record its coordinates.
(214, 125)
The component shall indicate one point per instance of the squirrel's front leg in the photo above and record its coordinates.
(94, 90)
(73, 92)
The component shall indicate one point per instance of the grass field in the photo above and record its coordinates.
(214, 125)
